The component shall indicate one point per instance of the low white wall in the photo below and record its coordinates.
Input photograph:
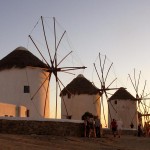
(11, 110)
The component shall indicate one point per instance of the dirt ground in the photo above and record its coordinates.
(43, 142)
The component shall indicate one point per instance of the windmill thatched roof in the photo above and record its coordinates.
(80, 85)
(122, 94)
(20, 58)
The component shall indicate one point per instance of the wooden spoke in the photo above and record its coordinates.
(55, 59)
(63, 100)
(132, 83)
(40, 87)
(108, 72)
(46, 41)
(143, 89)
(65, 69)
(102, 68)
(64, 58)
(58, 46)
(46, 97)
(138, 82)
(111, 83)
(39, 50)
(97, 74)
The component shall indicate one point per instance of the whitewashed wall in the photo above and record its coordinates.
(11, 110)
(7, 109)
(77, 105)
(12, 83)
(126, 111)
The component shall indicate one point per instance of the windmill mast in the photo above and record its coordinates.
(141, 99)
(53, 64)
(104, 88)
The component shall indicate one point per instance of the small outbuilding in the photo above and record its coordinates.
(78, 97)
(123, 106)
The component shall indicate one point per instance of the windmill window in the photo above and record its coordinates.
(69, 95)
(26, 89)
(27, 113)
(115, 102)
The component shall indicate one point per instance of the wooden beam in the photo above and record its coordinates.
(145, 114)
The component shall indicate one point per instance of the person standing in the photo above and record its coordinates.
(146, 128)
(85, 126)
(98, 127)
(91, 124)
(119, 127)
(140, 130)
(114, 127)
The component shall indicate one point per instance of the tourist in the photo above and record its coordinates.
(140, 132)
(85, 126)
(91, 126)
(146, 128)
(119, 127)
(98, 127)
(114, 127)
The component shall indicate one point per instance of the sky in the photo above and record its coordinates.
(119, 29)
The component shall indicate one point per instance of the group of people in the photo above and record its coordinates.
(116, 127)
(147, 129)
(92, 127)
(144, 131)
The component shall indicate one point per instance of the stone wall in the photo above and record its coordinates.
(41, 127)
(58, 127)
(123, 132)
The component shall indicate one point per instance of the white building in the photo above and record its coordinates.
(123, 106)
(21, 75)
(80, 96)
